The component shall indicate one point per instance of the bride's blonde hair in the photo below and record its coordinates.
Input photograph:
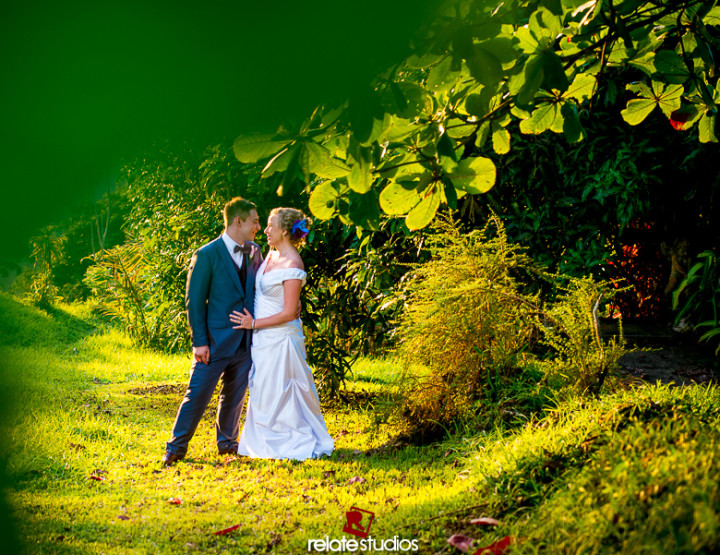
(294, 222)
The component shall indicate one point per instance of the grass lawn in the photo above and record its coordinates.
(88, 415)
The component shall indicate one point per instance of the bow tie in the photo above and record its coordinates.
(246, 249)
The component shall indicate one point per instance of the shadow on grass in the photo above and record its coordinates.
(25, 325)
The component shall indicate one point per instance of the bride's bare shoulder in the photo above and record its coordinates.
(296, 262)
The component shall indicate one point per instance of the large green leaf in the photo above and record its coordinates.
(478, 103)
(554, 6)
(644, 63)
(572, 127)
(484, 66)
(474, 175)
(457, 129)
(544, 117)
(278, 163)
(403, 168)
(582, 88)
(360, 177)
(321, 162)
(475, 105)
(396, 129)
(423, 213)
(527, 41)
(442, 77)
(706, 128)
(503, 48)
(668, 98)
(416, 98)
(364, 211)
(501, 140)
(672, 66)
(290, 182)
(545, 24)
(405, 100)
(637, 110)
(482, 134)
(253, 148)
(554, 76)
(362, 109)
(713, 17)
(446, 147)
(323, 200)
(399, 197)
(534, 75)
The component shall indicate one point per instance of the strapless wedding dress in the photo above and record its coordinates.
(283, 419)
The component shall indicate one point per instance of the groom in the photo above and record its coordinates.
(221, 279)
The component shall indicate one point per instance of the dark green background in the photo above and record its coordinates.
(88, 85)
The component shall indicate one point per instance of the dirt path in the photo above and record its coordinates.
(681, 365)
(656, 353)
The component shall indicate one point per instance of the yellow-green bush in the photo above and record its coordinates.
(484, 318)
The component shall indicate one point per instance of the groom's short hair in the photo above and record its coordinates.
(237, 207)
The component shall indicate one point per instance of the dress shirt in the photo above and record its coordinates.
(230, 244)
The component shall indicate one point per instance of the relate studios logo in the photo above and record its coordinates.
(358, 521)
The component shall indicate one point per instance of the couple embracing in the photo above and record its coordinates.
(246, 333)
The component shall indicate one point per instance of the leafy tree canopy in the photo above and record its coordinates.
(425, 134)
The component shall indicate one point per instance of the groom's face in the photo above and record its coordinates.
(249, 227)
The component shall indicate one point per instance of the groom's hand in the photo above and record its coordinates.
(202, 354)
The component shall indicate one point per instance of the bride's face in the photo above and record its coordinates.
(274, 233)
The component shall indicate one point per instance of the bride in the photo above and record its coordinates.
(283, 418)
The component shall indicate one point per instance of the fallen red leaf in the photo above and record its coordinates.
(175, 501)
(497, 548)
(98, 478)
(463, 543)
(485, 521)
(356, 480)
(227, 530)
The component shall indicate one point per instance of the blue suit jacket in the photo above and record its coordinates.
(213, 292)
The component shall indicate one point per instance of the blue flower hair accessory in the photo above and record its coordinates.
(299, 229)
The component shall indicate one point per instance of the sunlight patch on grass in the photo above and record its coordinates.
(92, 414)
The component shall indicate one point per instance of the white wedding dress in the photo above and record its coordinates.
(283, 419)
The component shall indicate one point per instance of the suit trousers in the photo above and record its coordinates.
(233, 373)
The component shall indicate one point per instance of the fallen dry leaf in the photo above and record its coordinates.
(356, 480)
(463, 543)
(485, 521)
(123, 517)
(497, 548)
(227, 530)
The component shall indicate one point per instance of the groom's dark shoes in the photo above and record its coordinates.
(170, 458)
(231, 450)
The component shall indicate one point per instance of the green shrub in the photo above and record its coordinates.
(489, 324)
(698, 297)
(570, 326)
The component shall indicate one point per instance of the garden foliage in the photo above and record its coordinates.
(497, 332)
(698, 298)
(173, 204)
(482, 74)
